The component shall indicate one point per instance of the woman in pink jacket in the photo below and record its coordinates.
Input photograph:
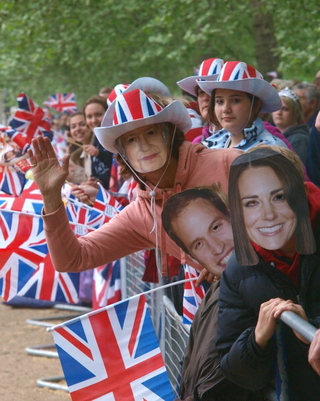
(149, 140)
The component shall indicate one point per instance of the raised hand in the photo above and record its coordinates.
(48, 173)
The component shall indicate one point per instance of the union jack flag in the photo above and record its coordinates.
(11, 180)
(107, 285)
(47, 284)
(30, 119)
(113, 354)
(81, 217)
(106, 203)
(25, 267)
(30, 201)
(63, 102)
(21, 237)
(20, 138)
(24, 247)
(192, 296)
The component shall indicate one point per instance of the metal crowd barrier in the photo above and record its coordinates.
(172, 333)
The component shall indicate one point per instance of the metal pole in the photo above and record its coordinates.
(299, 325)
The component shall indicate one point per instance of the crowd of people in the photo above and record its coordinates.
(237, 198)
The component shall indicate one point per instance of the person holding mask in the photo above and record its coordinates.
(237, 97)
(149, 140)
(276, 267)
(198, 220)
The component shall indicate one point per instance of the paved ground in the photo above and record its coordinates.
(19, 370)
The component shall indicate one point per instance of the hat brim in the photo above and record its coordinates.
(190, 84)
(175, 113)
(256, 86)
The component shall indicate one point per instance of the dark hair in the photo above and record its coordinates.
(76, 113)
(212, 115)
(174, 206)
(95, 99)
(295, 195)
(179, 138)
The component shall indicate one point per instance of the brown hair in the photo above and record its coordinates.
(95, 99)
(286, 152)
(295, 195)
(178, 202)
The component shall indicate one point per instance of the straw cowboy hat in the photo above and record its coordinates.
(243, 77)
(135, 109)
(209, 69)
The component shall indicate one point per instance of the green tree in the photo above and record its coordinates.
(80, 46)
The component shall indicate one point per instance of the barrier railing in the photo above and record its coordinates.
(172, 333)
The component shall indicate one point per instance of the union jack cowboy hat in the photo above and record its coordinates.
(117, 90)
(135, 109)
(209, 69)
(240, 76)
(146, 84)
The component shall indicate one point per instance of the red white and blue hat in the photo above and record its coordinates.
(148, 85)
(209, 69)
(240, 76)
(116, 91)
(135, 109)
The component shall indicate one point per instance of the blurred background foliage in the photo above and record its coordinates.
(81, 45)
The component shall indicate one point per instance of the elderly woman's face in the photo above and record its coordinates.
(269, 220)
(146, 148)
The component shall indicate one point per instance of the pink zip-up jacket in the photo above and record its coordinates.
(130, 230)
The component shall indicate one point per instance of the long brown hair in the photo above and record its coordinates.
(295, 195)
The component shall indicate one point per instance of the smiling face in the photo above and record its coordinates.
(269, 220)
(145, 148)
(232, 109)
(94, 113)
(79, 129)
(206, 233)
